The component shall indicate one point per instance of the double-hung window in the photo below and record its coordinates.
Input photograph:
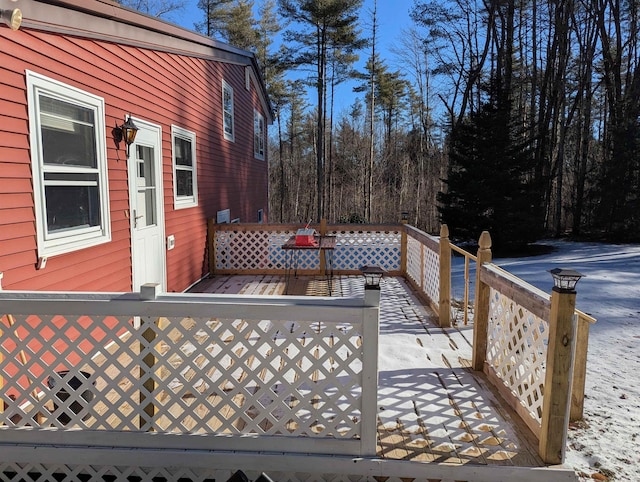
(258, 135)
(227, 111)
(185, 186)
(69, 165)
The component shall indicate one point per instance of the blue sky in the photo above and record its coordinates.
(393, 17)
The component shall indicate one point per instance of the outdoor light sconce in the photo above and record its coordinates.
(565, 280)
(372, 276)
(126, 132)
(405, 216)
(12, 18)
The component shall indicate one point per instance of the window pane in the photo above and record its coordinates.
(183, 152)
(71, 207)
(228, 123)
(228, 100)
(184, 180)
(68, 133)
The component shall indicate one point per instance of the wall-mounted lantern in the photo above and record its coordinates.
(126, 132)
(565, 280)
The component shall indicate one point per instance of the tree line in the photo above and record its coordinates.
(521, 117)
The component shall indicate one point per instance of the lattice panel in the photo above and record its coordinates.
(517, 350)
(423, 267)
(261, 250)
(19, 472)
(413, 260)
(355, 249)
(252, 250)
(182, 375)
(431, 283)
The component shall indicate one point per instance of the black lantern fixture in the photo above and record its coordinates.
(565, 280)
(404, 216)
(372, 276)
(126, 132)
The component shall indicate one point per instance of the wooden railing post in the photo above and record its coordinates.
(557, 384)
(322, 230)
(403, 247)
(579, 370)
(481, 310)
(444, 303)
(211, 237)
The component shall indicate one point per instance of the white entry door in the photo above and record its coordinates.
(146, 206)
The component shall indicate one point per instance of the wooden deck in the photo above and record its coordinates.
(435, 408)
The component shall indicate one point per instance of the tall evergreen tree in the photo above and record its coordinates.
(489, 184)
(326, 25)
(216, 14)
(241, 29)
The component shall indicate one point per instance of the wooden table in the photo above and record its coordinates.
(325, 245)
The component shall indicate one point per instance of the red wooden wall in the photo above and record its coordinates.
(159, 87)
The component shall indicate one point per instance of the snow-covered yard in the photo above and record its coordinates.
(608, 441)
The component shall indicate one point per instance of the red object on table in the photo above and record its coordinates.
(306, 237)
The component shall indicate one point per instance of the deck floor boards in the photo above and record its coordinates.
(437, 410)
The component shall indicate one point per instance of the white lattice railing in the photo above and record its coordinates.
(189, 371)
(518, 335)
(423, 263)
(257, 249)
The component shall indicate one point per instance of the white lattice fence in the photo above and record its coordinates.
(423, 268)
(517, 351)
(78, 465)
(355, 249)
(431, 270)
(260, 250)
(414, 260)
(256, 250)
(229, 372)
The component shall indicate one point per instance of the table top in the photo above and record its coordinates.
(324, 242)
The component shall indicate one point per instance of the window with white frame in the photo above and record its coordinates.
(185, 186)
(69, 165)
(227, 111)
(258, 135)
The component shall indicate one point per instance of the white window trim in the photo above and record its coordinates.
(181, 202)
(76, 239)
(227, 136)
(258, 149)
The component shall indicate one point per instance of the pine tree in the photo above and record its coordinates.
(326, 26)
(216, 13)
(489, 185)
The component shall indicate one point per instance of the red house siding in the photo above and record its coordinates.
(157, 86)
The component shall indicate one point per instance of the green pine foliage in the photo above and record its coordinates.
(489, 186)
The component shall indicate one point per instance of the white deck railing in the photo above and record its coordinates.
(257, 248)
(423, 264)
(189, 371)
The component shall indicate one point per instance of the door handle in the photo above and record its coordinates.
(135, 218)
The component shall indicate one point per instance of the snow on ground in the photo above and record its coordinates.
(608, 442)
